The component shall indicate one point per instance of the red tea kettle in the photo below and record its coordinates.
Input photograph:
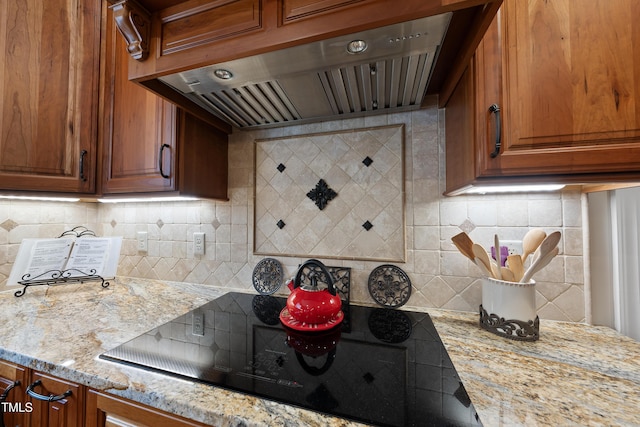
(309, 307)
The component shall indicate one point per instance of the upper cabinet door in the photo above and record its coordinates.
(48, 92)
(571, 88)
(137, 127)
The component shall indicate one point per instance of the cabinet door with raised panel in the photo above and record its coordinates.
(56, 402)
(138, 127)
(111, 411)
(48, 94)
(14, 410)
(571, 88)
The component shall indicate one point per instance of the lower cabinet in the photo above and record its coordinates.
(104, 410)
(35, 399)
(56, 402)
(13, 402)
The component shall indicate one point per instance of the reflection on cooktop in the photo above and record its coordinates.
(381, 366)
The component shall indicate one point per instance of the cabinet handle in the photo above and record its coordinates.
(6, 391)
(494, 109)
(162, 174)
(83, 153)
(3, 397)
(50, 398)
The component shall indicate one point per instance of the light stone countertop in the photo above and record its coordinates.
(574, 375)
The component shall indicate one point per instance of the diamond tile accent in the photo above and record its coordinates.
(281, 224)
(467, 226)
(159, 223)
(113, 223)
(367, 161)
(216, 223)
(367, 225)
(281, 167)
(9, 224)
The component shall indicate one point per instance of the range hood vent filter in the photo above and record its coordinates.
(252, 105)
(394, 83)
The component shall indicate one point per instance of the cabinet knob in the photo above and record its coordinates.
(495, 109)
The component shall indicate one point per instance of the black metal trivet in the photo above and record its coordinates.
(267, 276)
(389, 285)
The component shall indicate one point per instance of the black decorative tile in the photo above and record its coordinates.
(281, 224)
(281, 167)
(367, 161)
(322, 194)
(367, 225)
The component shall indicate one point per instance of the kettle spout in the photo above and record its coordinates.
(290, 284)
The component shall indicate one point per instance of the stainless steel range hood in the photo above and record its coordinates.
(321, 80)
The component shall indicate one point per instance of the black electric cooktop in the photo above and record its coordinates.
(380, 366)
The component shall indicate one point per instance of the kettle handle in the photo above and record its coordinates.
(320, 266)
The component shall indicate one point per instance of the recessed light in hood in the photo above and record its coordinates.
(322, 80)
(357, 46)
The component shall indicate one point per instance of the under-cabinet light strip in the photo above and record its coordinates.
(513, 189)
(42, 198)
(148, 199)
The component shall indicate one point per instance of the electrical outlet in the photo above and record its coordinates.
(515, 246)
(198, 323)
(198, 243)
(143, 244)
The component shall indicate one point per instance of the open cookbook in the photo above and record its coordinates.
(45, 259)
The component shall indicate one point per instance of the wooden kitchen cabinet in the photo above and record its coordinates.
(48, 95)
(104, 410)
(149, 145)
(13, 382)
(56, 402)
(566, 79)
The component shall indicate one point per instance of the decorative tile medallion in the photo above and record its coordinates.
(322, 194)
(329, 197)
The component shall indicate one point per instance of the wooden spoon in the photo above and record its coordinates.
(483, 267)
(515, 265)
(464, 244)
(549, 242)
(531, 241)
(482, 256)
(539, 264)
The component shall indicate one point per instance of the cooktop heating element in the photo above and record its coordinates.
(381, 366)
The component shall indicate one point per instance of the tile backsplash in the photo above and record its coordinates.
(331, 195)
(440, 275)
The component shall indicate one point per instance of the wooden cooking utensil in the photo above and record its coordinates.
(515, 265)
(507, 274)
(531, 241)
(483, 267)
(539, 264)
(482, 256)
(464, 244)
(549, 242)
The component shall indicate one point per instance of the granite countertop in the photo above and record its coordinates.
(574, 375)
